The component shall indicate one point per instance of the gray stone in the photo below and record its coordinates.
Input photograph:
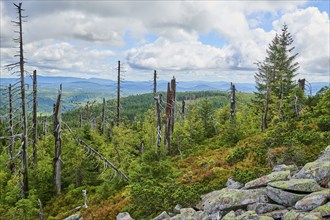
(325, 155)
(324, 210)
(73, 217)
(162, 216)
(264, 180)
(229, 216)
(177, 208)
(278, 214)
(253, 216)
(231, 184)
(261, 208)
(124, 216)
(283, 167)
(313, 200)
(318, 170)
(294, 215)
(298, 185)
(282, 197)
(227, 199)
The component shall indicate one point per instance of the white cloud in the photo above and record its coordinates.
(60, 35)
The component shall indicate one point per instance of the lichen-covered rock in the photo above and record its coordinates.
(325, 155)
(200, 215)
(162, 216)
(294, 215)
(177, 208)
(73, 217)
(229, 216)
(252, 215)
(261, 208)
(283, 167)
(124, 216)
(318, 170)
(231, 184)
(227, 199)
(278, 214)
(298, 185)
(264, 180)
(283, 197)
(313, 200)
(324, 210)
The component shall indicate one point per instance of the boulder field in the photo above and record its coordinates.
(288, 193)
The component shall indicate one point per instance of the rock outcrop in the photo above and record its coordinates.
(287, 193)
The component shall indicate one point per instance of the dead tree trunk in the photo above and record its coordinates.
(44, 127)
(41, 215)
(155, 83)
(168, 111)
(183, 108)
(159, 120)
(118, 94)
(80, 120)
(232, 101)
(264, 124)
(35, 125)
(103, 117)
(24, 157)
(11, 131)
(57, 163)
(173, 106)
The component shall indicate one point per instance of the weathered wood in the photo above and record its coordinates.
(24, 158)
(183, 108)
(168, 113)
(11, 131)
(34, 120)
(41, 215)
(103, 117)
(96, 153)
(57, 163)
(232, 100)
(118, 95)
(155, 83)
(159, 120)
(173, 103)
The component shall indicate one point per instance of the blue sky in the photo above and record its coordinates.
(193, 40)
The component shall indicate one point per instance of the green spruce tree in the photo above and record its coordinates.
(274, 79)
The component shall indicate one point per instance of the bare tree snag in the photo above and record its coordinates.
(155, 83)
(41, 215)
(159, 120)
(173, 106)
(118, 94)
(24, 157)
(80, 120)
(168, 112)
(44, 127)
(11, 131)
(96, 153)
(183, 108)
(34, 120)
(103, 117)
(57, 163)
(232, 101)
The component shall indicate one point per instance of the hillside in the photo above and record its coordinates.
(79, 91)
(208, 147)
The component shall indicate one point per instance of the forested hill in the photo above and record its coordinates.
(79, 91)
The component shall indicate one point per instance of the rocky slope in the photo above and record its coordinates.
(286, 193)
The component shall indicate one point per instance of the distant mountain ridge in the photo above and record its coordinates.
(95, 85)
(77, 91)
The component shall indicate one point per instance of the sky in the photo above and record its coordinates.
(191, 40)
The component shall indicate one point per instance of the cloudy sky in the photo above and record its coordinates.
(193, 40)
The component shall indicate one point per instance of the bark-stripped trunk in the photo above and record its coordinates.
(232, 101)
(159, 120)
(183, 108)
(173, 107)
(264, 124)
(35, 125)
(57, 163)
(24, 157)
(118, 94)
(168, 112)
(103, 117)
(11, 132)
